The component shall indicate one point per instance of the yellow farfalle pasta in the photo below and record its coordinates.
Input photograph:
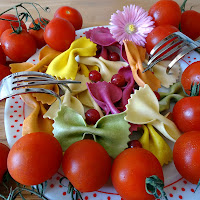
(107, 68)
(64, 66)
(143, 108)
(154, 143)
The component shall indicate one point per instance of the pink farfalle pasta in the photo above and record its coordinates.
(106, 95)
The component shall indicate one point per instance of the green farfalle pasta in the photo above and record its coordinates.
(111, 131)
(175, 94)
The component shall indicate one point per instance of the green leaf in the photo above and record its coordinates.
(111, 131)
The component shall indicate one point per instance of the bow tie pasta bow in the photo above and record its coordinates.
(143, 108)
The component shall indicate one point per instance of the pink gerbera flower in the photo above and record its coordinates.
(133, 23)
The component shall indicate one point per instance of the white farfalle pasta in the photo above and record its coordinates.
(143, 108)
(67, 100)
(107, 68)
(159, 71)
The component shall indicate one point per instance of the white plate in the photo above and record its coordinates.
(175, 186)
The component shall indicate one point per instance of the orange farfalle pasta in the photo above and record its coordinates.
(35, 121)
(136, 56)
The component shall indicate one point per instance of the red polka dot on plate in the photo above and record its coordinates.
(64, 193)
(171, 195)
(16, 102)
(52, 185)
(15, 110)
(21, 124)
(94, 195)
(58, 178)
(12, 126)
(183, 189)
(195, 58)
(86, 198)
(19, 115)
(192, 190)
(14, 136)
(11, 106)
(33, 60)
(174, 188)
(19, 106)
(11, 116)
(185, 182)
(16, 120)
(60, 186)
(108, 198)
(18, 130)
(13, 97)
(180, 197)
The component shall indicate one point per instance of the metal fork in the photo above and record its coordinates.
(180, 43)
(20, 83)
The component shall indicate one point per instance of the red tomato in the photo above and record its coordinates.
(34, 158)
(87, 165)
(38, 34)
(189, 24)
(71, 14)
(190, 76)
(59, 34)
(157, 34)
(5, 71)
(186, 156)
(166, 12)
(186, 114)
(4, 150)
(2, 56)
(129, 171)
(4, 25)
(18, 47)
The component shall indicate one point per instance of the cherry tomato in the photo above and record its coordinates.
(95, 76)
(4, 25)
(186, 114)
(189, 24)
(186, 156)
(4, 150)
(157, 34)
(18, 47)
(5, 71)
(166, 12)
(34, 158)
(2, 56)
(92, 116)
(70, 14)
(190, 76)
(59, 34)
(38, 33)
(87, 165)
(129, 171)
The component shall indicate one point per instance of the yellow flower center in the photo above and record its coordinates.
(130, 28)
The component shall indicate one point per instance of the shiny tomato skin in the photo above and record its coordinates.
(87, 165)
(70, 14)
(186, 114)
(4, 25)
(2, 56)
(166, 12)
(186, 156)
(190, 76)
(34, 158)
(38, 35)
(4, 150)
(129, 171)
(59, 34)
(18, 47)
(157, 34)
(189, 21)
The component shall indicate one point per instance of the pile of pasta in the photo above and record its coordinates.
(124, 111)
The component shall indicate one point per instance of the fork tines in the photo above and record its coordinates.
(176, 41)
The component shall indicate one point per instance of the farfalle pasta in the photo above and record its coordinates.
(143, 108)
(65, 66)
(153, 142)
(107, 68)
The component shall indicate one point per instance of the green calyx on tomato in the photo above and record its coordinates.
(153, 185)
(25, 14)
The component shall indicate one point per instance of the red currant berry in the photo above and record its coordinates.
(94, 76)
(134, 144)
(118, 80)
(157, 95)
(92, 116)
(114, 56)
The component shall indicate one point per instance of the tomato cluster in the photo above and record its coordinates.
(166, 23)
